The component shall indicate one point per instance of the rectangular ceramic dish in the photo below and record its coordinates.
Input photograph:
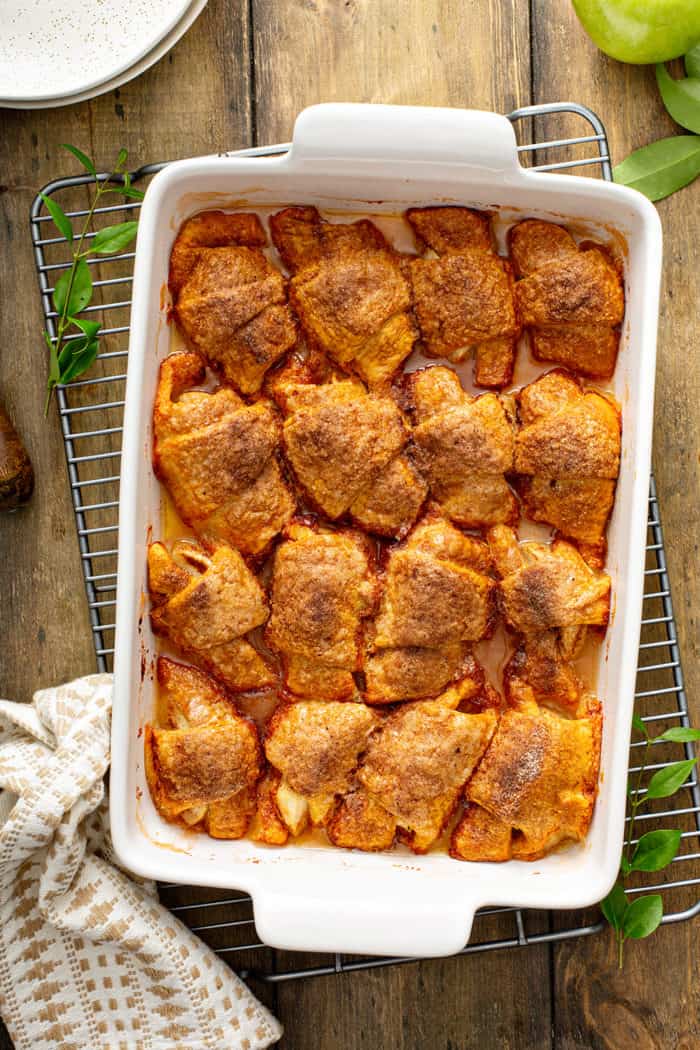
(381, 159)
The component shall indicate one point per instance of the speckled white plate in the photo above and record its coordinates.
(53, 51)
(144, 63)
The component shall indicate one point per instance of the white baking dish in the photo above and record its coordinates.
(381, 159)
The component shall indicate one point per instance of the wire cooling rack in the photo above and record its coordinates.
(91, 413)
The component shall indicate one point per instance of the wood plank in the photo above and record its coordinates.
(654, 1002)
(403, 51)
(497, 1000)
(194, 101)
(48, 637)
(422, 52)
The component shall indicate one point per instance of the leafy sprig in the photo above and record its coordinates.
(75, 346)
(661, 168)
(653, 851)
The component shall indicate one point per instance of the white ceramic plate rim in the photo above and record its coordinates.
(149, 50)
(165, 45)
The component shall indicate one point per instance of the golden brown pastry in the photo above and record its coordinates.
(463, 446)
(540, 671)
(437, 599)
(354, 305)
(316, 746)
(351, 626)
(544, 587)
(417, 764)
(206, 604)
(436, 536)
(472, 693)
(203, 765)
(360, 822)
(432, 594)
(229, 299)
(450, 229)
(481, 836)
(323, 586)
(464, 299)
(210, 229)
(302, 237)
(217, 458)
(345, 446)
(411, 672)
(567, 458)
(570, 299)
(391, 504)
(267, 825)
(539, 777)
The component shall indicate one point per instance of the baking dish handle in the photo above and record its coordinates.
(370, 922)
(340, 131)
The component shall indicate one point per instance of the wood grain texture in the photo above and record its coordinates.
(423, 52)
(231, 82)
(654, 1004)
(161, 115)
(498, 1000)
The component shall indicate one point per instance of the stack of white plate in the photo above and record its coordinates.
(65, 51)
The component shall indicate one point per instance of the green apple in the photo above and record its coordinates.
(641, 31)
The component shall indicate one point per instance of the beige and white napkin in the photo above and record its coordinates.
(89, 960)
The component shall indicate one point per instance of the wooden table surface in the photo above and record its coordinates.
(238, 78)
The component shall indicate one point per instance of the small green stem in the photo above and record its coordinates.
(78, 254)
(636, 801)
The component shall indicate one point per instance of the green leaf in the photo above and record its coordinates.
(661, 168)
(666, 782)
(127, 191)
(615, 906)
(680, 97)
(643, 916)
(679, 735)
(61, 220)
(60, 291)
(625, 866)
(88, 328)
(71, 355)
(81, 292)
(655, 850)
(79, 362)
(84, 160)
(114, 238)
(639, 725)
(692, 62)
(71, 348)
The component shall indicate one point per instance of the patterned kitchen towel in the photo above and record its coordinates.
(89, 960)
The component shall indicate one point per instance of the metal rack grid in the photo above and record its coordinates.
(91, 421)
